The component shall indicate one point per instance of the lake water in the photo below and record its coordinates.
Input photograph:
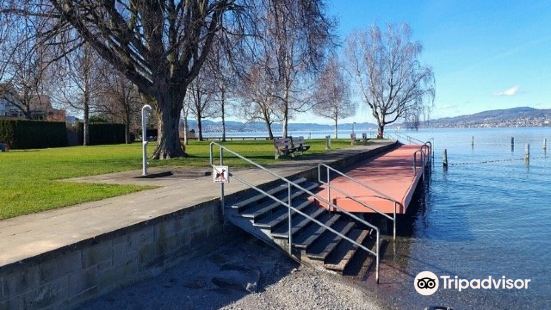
(489, 214)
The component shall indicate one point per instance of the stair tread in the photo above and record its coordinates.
(254, 213)
(340, 259)
(272, 222)
(331, 245)
(259, 196)
(317, 233)
(299, 225)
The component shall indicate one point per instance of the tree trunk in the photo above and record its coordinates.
(168, 138)
(199, 126)
(270, 132)
(86, 119)
(336, 128)
(223, 101)
(380, 130)
(185, 129)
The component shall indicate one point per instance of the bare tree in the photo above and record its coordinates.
(79, 84)
(299, 34)
(23, 64)
(158, 45)
(200, 98)
(258, 93)
(119, 99)
(390, 76)
(332, 94)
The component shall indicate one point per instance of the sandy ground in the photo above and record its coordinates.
(244, 274)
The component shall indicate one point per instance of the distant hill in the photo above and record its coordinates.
(514, 117)
(233, 126)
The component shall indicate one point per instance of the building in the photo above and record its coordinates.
(40, 107)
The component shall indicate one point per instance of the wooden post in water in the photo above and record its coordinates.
(545, 143)
(527, 152)
(512, 144)
(472, 141)
(445, 161)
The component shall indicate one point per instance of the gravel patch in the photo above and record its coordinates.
(243, 274)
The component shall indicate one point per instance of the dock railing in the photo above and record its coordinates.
(290, 208)
(381, 195)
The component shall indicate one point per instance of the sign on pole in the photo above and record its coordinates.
(220, 174)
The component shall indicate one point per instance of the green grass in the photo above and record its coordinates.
(29, 180)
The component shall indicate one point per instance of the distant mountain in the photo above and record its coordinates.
(233, 126)
(514, 117)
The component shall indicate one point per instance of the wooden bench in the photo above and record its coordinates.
(290, 146)
(299, 144)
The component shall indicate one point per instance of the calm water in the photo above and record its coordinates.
(478, 219)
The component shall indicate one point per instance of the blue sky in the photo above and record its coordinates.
(485, 54)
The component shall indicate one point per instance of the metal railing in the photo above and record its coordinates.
(381, 195)
(290, 208)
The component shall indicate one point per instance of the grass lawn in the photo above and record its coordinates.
(29, 179)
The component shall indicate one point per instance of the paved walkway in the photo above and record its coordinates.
(391, 174)
(30, 235)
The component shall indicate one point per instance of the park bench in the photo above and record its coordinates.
(290, 146)
(300, 144)
(4, 147)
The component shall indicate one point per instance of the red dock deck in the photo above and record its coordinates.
(391, 177)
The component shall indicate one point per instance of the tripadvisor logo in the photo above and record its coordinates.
(427, 283)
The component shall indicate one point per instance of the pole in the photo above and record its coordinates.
(472, 141)
(290, 224)
(445, 162)
(145, 109)
(545, 143)
(512, 144)
(222, 194)
(527, 152)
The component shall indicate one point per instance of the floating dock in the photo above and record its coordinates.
(383, 185)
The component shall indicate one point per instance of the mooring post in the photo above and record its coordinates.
(545, 143)
(512, 144)
(445, 162)
(527, 152)
(472, 141)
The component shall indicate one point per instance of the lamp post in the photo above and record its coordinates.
(145, 109)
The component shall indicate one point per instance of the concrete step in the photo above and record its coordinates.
(343, 254)
(259, 197)
(311, 234)
(275, 219)
(256, 211)
(362, 261)
(299, 222)
(323, 247)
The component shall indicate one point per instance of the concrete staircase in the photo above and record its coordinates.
(312, 244)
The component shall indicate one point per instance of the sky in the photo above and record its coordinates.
(485, 54)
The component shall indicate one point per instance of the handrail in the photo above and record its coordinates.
(348, 195)
(290, 207)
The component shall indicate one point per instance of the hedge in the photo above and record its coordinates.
(25, 134)
(104, 133)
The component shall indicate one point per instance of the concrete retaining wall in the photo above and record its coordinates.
(66, 277)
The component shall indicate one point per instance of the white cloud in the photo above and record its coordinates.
(509, 92)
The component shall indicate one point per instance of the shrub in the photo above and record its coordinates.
(25, 134)
(103, 133)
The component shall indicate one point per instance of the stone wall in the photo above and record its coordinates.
(68, 276)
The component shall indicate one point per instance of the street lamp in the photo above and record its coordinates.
(145, 109)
